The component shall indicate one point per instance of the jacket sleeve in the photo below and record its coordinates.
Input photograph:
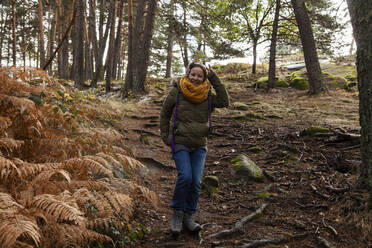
(221, 99)
(166, 114)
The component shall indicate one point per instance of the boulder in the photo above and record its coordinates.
(244, 167)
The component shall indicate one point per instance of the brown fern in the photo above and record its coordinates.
(72, 236)
(85, 167)
(8, 169)
(121, 203)
(12, 228)
(9, 144)
(59, 208)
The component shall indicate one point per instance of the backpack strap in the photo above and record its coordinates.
(175, 117)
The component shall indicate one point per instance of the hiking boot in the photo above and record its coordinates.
(191, 225)
(176, 222)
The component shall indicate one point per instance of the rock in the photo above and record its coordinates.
(262, 82)
(298, 82)
(244, 167)
(210, 184)
(240, 106)
(211, 181)
(311, 131)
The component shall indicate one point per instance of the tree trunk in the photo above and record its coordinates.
(116, 55)
(110, 54)
(14, 36)
(129, 72)
(314, 72)
(184, 46)
(93, 34)
(137, 46)
(143, 60)
(88, 51)
(52, 39)
(102, 43)
(272, 65)
(79, 47)
(170, 41)
(254, 64)
(361, 19)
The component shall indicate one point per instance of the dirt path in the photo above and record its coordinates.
(309, 198)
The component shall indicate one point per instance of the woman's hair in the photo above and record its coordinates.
(195, 64)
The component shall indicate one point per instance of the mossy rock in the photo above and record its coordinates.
(244, 167)
(299, 83)
(210, 184)
(254, 116)
(263, 81)
(240, 106)
(211, 181)
(255, 149)
(315, 130)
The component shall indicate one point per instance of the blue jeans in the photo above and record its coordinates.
(190, 166)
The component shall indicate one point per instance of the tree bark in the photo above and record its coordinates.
(254, 65)
(52, 39)
(184, 46)
(116, 55)
(272, 63)
(110, 54)
(41, 33)
(102, 43)
(170, 41)
(361, 19)
(143, 61)
(93, 34)
(129, 72)
(79, 47)
(14, 36)
(314, 72)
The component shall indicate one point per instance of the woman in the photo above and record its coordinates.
(185, 122)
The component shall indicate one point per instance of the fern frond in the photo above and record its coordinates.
(12, 228)
(29, 170)
(132, 163)
(58, 208)
(109, 159)
(121, 203)
(46, 176)
(102, 224)
(95, 204)
(74, 236)
(8, 169)
(85, 167)
(147, 195)
(7, 202)
(5, 122)
(9, 144)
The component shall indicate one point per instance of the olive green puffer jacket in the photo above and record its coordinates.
(192, 126)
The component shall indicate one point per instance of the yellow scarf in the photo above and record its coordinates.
(195, 94)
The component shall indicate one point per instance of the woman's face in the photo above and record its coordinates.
(196, 75)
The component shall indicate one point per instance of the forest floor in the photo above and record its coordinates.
(311, 201)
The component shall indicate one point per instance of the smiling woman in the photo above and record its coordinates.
(185, 123)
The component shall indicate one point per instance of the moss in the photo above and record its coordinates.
(314, 130)
(240, 106)
(263, 195)
(254, 103)
(253, 116)
(299, 83)
(263, 81)
(243, 166)
(255, 149)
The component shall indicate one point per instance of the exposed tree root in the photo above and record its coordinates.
(277, 241)
(238, 227)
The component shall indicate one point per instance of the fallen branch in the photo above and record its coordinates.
(330, 227)
(277, 241)
(238, 227)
